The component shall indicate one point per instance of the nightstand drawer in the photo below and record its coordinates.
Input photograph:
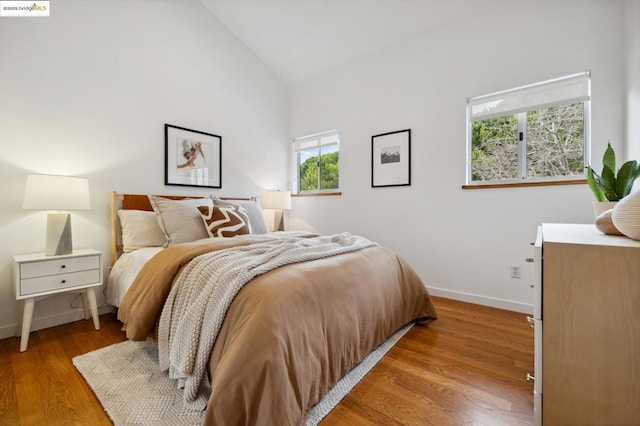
(59, 281)
(58, 266)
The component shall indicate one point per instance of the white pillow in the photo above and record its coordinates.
(140, 229)
(257, 221)
(180, 220)
(126, 269)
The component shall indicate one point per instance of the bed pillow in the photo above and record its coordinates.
(257, 221)
(140, 229)
(225, 221)
(180, 220)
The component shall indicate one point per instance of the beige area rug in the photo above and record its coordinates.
(130, 386)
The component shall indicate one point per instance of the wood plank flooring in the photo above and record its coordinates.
(468, 367)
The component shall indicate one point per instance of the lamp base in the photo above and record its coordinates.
(278, 216)
(58, 234)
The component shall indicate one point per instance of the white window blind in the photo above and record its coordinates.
(563, 90)
(316, 141)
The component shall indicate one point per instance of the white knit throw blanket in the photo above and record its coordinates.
(196, 306)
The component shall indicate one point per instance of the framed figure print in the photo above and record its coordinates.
(192, 158)
(391, 159)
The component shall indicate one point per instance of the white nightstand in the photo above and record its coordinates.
(38, 275)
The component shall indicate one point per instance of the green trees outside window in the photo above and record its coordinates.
(494, 154)
(329, 176)
(553, 141)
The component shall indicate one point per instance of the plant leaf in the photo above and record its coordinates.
(626, 176)
(597, 192)
(608, 183)
(609, 158)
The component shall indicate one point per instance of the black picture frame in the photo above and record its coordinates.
(391, 159)
(192, 158)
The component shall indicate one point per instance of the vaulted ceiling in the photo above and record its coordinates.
(299, 39)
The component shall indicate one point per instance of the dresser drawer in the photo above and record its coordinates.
(59, 281)
(537, 409)
(538, 329)
(58, 266)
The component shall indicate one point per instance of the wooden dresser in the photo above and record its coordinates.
(587, 327)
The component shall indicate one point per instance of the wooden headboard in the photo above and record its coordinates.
(136, 202)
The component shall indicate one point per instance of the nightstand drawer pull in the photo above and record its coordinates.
(532, 322)
(63, 281)
(63, 266)
(529, 260)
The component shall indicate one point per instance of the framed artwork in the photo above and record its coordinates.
(192, 158)
(391, 159)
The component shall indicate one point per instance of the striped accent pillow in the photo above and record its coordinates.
(227, 221)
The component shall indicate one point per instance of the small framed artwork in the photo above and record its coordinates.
(391, 159)
(192, 158)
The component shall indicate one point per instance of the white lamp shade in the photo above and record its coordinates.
(277, 200)
(48, 192)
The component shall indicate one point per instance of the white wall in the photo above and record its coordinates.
(87, 92)
(632, 79)
(461, 242)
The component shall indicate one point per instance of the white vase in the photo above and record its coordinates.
(600, 207)
(626, 215)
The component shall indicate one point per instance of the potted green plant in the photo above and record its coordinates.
(610, 185)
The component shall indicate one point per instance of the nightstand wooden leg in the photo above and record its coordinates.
(26, 323)
(20, 316)
(85, 305)
(91, 295)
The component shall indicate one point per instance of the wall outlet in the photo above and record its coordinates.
(515, 271)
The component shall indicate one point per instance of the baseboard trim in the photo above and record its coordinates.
(51, 321)
(8, 331)
(508, 305)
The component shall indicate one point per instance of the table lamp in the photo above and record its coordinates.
(279, 201)
(47, 192)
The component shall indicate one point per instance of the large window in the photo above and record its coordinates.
(534, 133)
(316, 162)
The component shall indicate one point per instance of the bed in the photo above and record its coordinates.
(265, 322)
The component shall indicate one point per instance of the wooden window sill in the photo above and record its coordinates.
(316, 194)
(523, 184)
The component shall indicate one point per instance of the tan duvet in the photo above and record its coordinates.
(291, 333)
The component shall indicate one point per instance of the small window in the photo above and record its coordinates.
(316, 162)
(534, 133)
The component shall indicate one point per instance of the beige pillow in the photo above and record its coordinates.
(225, 221)
(140, 229)
(180, 220)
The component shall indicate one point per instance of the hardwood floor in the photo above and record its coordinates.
(468, 367)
